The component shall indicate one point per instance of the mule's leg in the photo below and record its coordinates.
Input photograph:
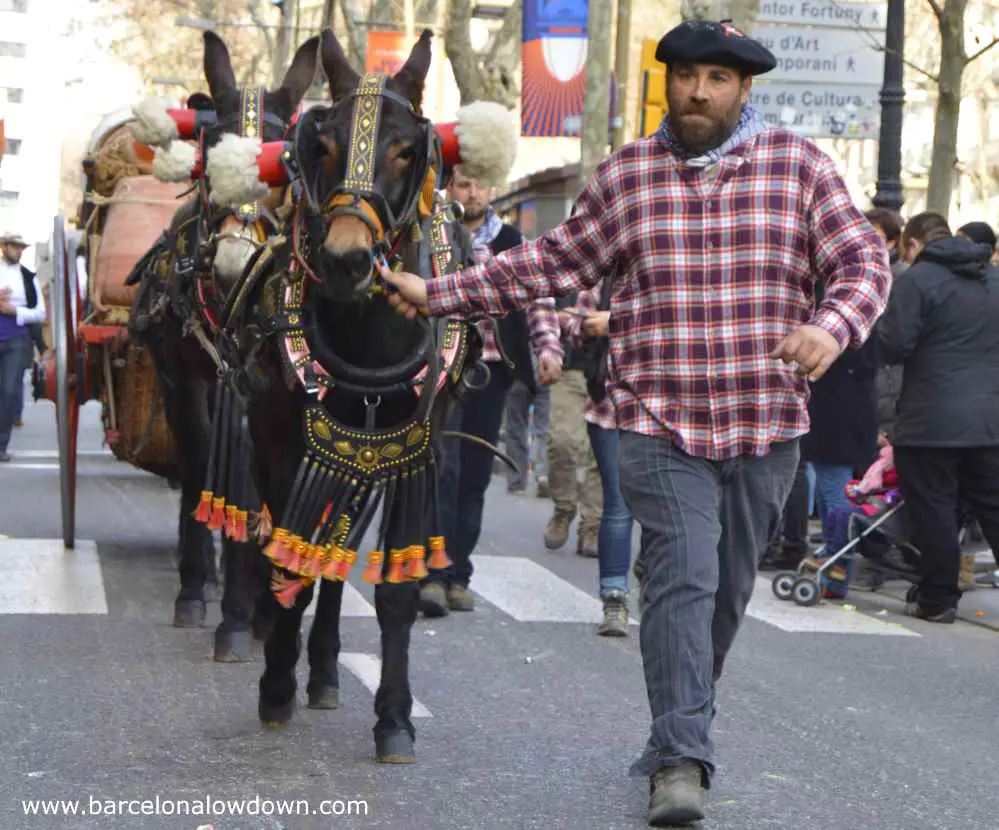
(278, 684)
(187, 417)
(396, 607)
(234, 637)
(324, 648)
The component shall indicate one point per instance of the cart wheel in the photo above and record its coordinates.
(806, 591)
(783, 584)
(65, 317)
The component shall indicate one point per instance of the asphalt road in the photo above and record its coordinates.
(833, 717)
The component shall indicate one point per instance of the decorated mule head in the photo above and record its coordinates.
(368, 165)
(182, 138)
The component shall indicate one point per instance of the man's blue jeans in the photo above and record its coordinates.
(614, 541)
(830, 488)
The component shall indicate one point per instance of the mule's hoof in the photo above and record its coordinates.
(275, 715)
(395, 748)
(189, 613)
(233, 646)
(324, 697)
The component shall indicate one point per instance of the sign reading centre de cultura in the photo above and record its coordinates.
(830, 65)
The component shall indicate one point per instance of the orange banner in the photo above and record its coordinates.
(387, 52)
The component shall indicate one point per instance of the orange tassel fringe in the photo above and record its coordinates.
(396, 559)
(415, 567)
(264, 523)
(345, 561)
(439, 559)
(373, 572)
(230, 521)
(286, 590)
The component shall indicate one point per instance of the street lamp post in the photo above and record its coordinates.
(889, 185)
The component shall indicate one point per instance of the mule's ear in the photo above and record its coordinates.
(342, 77)
(302, 71)
(218, 66)
(411, 78)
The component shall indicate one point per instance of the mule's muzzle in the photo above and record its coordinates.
(348, 272)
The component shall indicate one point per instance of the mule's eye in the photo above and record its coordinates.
(407, 153)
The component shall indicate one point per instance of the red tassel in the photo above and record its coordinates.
(345, 563)
(218, 514)
(239, 531)
(312, 564)
(373, 572)
(394, 574)
(439, 559)
(203, 512)
(230, 521)
(287, 590)
(415, 567)
(330, 562)
(277, 550)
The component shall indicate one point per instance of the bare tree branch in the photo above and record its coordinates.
(933, 4)
(983, 50)
(509, 31)
(255, 16)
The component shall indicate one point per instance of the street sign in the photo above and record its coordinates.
(821, 55)
(819, 110)
(824, 13)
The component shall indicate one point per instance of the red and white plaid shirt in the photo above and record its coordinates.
(600, 414)
(711, 268)
(542, 322)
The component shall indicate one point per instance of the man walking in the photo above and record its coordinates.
(21, 305)
(467, 467)
(714, 231)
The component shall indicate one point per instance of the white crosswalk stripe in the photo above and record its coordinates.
(42, 577)
(820, 619)
(368, 669)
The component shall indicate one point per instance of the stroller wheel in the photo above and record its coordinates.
(805, 591)
(783, 584)
(912, 595)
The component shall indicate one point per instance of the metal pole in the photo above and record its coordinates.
(621, 55)
(329, 12)
(889, 186)
(597, 97)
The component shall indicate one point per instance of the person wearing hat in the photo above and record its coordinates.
(21, 305)
(714, 232)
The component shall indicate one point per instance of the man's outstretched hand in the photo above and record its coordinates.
(410, 295)
(812, 348)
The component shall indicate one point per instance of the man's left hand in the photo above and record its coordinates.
(549, 369)
(812, 348)
(410, 296)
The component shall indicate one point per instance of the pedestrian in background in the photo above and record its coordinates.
(940, 326)
(588, 324)
(467, 467)
(21, 305)
(714, 231)
(525, 433)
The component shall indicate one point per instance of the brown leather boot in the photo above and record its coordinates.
(588, 541)
(557, 531)
(966, 579)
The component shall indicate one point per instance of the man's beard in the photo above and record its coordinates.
(706, 133)
(473, 215)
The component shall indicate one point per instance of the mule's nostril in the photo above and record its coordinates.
(356, 264)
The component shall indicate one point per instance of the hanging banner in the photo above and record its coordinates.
(386, 53)
(553, 79)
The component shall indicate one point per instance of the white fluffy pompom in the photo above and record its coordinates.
(174, 163)
(488, 138)
(152, 124)
(233, 172)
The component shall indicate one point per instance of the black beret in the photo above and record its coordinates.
(702, 41)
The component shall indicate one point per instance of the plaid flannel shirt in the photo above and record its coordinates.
(711, 268)
(600, 414)
(542, 322)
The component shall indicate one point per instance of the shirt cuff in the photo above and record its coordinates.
(446, 294)
(832, 322)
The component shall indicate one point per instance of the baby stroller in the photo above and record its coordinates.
(874, 526)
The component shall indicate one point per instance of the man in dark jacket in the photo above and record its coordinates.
(941, 326)
(467, 467)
